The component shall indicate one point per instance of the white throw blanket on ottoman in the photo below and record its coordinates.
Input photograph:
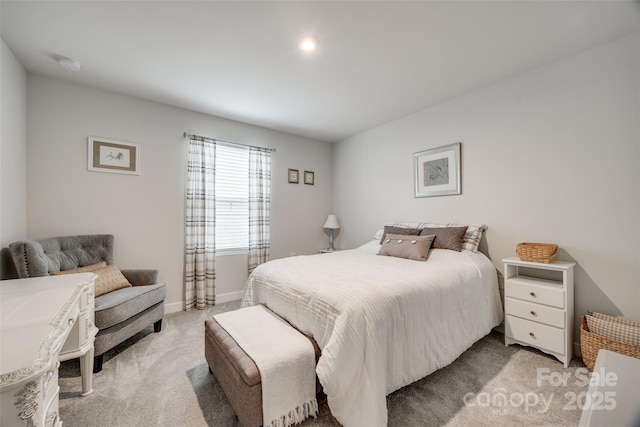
(286, 361)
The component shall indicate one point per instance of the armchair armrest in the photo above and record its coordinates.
(141, 277)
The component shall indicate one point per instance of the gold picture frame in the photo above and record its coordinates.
(294, 176)
(309, 177)
(108, 155)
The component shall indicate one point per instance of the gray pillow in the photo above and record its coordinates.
(405, 231)
(406, 246)
(446, 237)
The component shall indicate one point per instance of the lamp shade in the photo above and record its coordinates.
(332, 222)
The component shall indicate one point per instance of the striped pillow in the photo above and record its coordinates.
(450, 238)
(625, 331)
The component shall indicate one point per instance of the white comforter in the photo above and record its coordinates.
(381, 322)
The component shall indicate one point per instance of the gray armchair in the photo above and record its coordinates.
(119, 314)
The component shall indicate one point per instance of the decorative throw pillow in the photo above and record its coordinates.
(407, 246)
(471, 239)
(405, 231)
(86, 269)
(446, 237)
(614, 330)
(109, 277)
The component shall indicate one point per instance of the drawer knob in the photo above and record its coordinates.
(531, 333)
(533, 294)
(533, 313)
(71, 322)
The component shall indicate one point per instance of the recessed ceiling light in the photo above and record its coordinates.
(308, 44)
(69, 64)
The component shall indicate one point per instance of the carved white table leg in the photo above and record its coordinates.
(86, 371)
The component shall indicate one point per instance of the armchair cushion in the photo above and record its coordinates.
(119, 305)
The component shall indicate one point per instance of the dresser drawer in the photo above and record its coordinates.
(536, 312)
(536, 334)
(80, 334)
(87, 298)
(535, 291)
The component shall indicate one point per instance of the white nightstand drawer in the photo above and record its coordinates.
(536, 334)
(535, 291)
(536, 312)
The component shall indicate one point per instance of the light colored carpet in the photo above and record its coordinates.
(162, 380)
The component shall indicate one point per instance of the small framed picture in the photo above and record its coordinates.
(107, 155)
(437, 171)
(309, 177)
(294, 176)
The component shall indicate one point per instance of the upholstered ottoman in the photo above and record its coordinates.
(237, 373)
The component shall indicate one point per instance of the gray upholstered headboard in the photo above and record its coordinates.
(36, 258)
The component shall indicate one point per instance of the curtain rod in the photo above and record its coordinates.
(188, 135)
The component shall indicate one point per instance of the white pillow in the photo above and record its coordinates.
(378, 234)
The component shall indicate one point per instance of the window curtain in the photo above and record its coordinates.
(259, 206)
(200, 223)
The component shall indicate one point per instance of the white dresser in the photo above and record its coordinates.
(43, 320)
(539, 306)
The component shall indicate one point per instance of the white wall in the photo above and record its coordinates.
(145, 213)
(13, 150)
(550, 156)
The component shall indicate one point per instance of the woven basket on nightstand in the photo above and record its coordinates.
(537, 252)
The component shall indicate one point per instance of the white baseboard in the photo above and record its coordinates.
(231, 296)
(174, 307)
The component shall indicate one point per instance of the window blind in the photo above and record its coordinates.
(232, 199)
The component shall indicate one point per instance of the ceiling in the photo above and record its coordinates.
(376, 61)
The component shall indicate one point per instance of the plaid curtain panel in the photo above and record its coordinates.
(200, 223)
(259, 206)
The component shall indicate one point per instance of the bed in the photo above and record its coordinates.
(381, 322)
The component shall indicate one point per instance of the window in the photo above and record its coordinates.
(232, 199)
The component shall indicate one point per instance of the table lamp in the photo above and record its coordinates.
(331, 224)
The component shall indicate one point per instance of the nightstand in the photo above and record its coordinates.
(327, 251)
(539, 306)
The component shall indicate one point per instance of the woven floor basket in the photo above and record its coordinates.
(591, 343)
(537, 252)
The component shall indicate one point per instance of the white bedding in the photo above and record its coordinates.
(381, 322)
